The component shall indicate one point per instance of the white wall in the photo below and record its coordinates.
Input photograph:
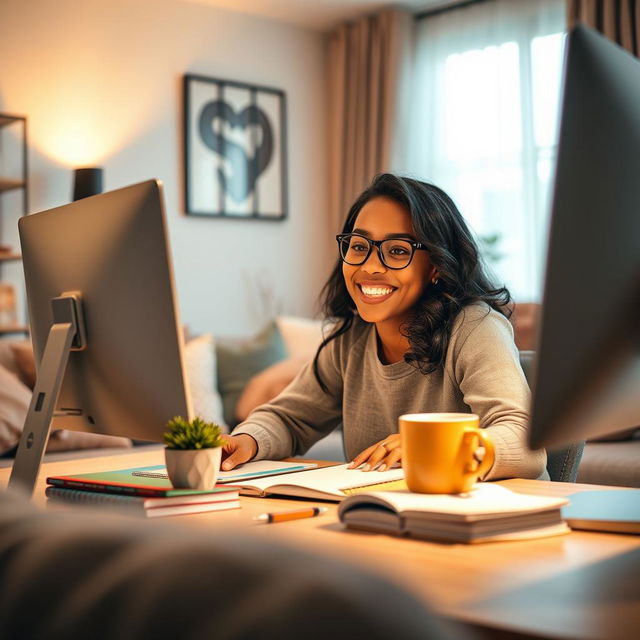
(100, 81)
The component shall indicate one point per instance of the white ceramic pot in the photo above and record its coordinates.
(193, 468)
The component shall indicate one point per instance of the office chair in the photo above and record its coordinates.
(562, 464)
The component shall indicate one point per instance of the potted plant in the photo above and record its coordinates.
(193, 452)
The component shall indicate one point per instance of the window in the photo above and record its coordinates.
(484, 125)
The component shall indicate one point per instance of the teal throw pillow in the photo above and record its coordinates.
(238, 362)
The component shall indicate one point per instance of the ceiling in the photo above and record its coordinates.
(320, 15)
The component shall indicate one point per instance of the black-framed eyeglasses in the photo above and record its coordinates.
(394, 253)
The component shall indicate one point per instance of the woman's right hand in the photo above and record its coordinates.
(237, 450)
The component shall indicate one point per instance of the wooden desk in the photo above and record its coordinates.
(582, 585)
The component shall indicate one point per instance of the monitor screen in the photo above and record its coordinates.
(113, 250)
(587, 378)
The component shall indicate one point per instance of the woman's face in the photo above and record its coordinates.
(384, 295)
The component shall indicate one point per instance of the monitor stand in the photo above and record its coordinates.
(66, 334)
(610, 510)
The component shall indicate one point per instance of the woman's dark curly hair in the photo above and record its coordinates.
(440, 227)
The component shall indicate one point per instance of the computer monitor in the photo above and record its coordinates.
(587, 379)
(587, 374)
(101, 294)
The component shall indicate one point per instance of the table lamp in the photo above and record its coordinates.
(87, 182)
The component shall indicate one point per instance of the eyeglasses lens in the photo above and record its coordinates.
(396, 254)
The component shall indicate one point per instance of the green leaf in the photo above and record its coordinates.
(194, 434)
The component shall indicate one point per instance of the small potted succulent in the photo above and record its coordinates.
(193, 453)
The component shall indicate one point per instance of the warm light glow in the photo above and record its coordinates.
(83, 132)
(82, 112)
(76, 140)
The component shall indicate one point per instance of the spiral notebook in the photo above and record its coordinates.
(327, 483)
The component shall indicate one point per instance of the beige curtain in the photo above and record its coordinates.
(619, 20)
(369, 66)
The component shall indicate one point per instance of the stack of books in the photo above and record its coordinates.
(135, 491)
(488, 513)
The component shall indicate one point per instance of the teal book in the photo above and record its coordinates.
(140, 481)
(153, 481)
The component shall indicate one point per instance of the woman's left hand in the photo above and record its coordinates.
(380, 456)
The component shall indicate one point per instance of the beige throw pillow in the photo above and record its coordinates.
(14, 404)
(200, 361)
(25, 361)
(302, 336)
(267, 384)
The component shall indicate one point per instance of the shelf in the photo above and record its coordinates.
(6, 119)
(14, 328)
(9, 185)
(13, 130)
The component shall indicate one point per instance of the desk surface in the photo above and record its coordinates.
(581, 585)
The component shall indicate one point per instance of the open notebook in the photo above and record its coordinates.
(328, 483)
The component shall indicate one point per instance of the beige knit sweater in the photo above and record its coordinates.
(481, 374)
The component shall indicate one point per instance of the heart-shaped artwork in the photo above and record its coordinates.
(242, 163)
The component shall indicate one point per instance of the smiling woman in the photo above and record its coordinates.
(385, 289)
(418, 328)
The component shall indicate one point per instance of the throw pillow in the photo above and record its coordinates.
(25, 362)
(66, 440)
(7, 358)
(14, 404)
(239, 362)
(267, 384)
(200, 361)
(302, 336)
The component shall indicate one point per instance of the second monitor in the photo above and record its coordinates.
(108, 257)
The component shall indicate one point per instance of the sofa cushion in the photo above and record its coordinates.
(267, 384)
(626, 434)
(7, 357)
(611, 463)
(238, 362)
(301, 336)
(525, 319)
(200, 362)
(25, 362)
(14, 404)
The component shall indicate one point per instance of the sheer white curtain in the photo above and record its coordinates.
(486, 88)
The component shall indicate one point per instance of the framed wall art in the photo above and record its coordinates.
(235, 157)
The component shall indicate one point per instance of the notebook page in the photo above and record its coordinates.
(484, 498)
(246, 471)
(332, 480)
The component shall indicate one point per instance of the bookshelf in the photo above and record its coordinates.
(14, 203)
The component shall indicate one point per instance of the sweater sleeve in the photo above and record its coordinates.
(485, 364)
(302, 414)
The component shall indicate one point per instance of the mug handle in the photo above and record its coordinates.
(479, 469)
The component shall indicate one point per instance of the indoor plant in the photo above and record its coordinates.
(193, 452)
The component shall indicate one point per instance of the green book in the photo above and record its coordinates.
(139, 481)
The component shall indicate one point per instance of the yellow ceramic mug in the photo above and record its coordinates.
(438, 451)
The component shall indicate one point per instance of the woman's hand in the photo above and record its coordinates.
(237, 450)
(381, 456)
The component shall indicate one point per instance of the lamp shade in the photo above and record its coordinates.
(87, 182)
